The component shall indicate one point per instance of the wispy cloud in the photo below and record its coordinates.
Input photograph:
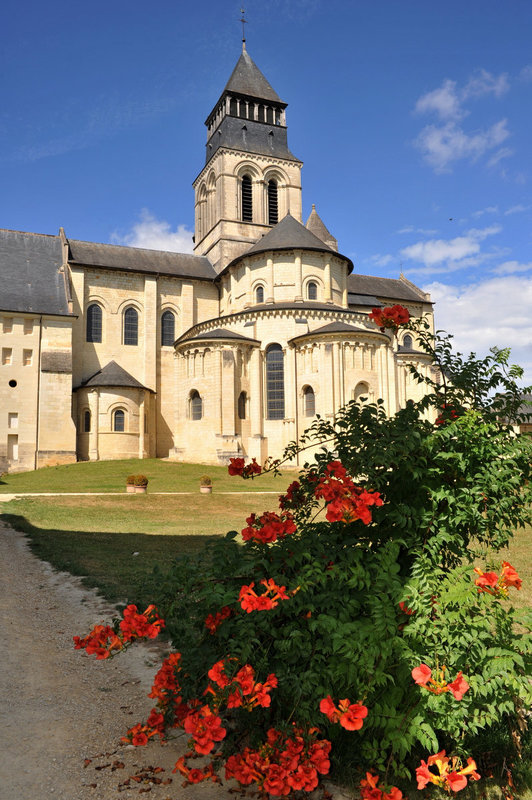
(518, 209)
(495, 312)
(382, 260)
(526, 73)
(452, 254)
(447, 141)
(422, 231)
(487, 210)
(504, 152)
(512, 267)
(155, 234)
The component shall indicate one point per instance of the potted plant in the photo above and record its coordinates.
(141, 484)
(130, 483)
(205, 484)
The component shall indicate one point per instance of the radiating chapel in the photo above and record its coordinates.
(113, 352)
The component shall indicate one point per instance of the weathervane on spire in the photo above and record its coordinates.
(244, 22)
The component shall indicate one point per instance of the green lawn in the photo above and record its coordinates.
(110, 476)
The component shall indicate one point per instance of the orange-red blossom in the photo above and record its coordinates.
(495, 584)
(103, 641)
(195, 775)
(390, 317)
(370, 791)
(345, 501)
(451, 775)
(349, 715)
(251, 601)
(422, 675)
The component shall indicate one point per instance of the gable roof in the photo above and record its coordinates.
(113, 375)
(247, 79)
(29, 273)
(394, 288)
(139, 259)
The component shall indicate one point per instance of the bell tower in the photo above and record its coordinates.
(250, 180)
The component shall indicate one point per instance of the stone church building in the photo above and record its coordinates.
(114, 352)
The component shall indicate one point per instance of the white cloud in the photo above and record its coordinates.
(382, 260)
(447, 141)
(455, 252)
(441, 146)
(495, 312)
(155, 234)
(526, 73)
(423, 231)
(483, 82)
(512, 267)
(504, 152)
(487, 210)
(518, 209)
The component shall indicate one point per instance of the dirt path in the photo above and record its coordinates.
(59, 706)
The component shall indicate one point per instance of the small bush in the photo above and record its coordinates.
(140, 480)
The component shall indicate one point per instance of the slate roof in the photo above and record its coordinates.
(218, 333)
(363, 300)
(138, 259)
(29, 273)
(288, 234)
(247, 79)
(394, 288)
(333, 327)
(113, 375)
(316, 226)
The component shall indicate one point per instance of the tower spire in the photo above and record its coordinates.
(244, 22)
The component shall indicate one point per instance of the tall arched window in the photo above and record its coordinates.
(86, 421)
(119, 420)
(259, 294)
(361, 392)
(167, 329)
(275, 382)
(309, 401)
(131, 326)
(196, 405)
(247, 199)
(242, 400)
(94, 323)
(312, 290)
(273, 205)
(407, 342)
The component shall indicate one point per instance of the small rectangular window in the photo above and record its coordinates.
(12, 420)
(28, 326)
(27, 358)
(7, 355)
(7, 325)
(12, 446)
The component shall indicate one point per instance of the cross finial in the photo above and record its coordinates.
(244, 22)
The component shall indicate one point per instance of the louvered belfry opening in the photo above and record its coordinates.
(273, 203)
(247, 199)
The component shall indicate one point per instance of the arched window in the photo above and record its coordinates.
(242, 400)
(94, 323)
(309, 401)
(247, 199)
(86, 421)
(312, 290)
(131, 326)
(275, 382)
(196, 405)
(119, 420)
(361, 392)
(407, 342)
(167, 328)
(259, 294)
(273, 205)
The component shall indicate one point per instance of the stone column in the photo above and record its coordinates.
(94, 406)
(327, 281)
(228, 392)
(271, 298)
(299, 276)
(335, 376)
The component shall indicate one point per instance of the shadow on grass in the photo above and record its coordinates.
(119, 565)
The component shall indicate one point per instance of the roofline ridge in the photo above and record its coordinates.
(31, 233)
(131, 247)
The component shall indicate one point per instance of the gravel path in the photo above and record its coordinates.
(60, 707)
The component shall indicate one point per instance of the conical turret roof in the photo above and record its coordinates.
(316, 225)
(247, 79)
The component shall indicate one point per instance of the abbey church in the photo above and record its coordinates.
(114, 352)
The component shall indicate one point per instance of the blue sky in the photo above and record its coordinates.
(413, 120)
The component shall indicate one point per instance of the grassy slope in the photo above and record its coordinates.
(110, 476)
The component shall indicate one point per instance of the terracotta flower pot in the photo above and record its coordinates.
(130, 487)
(205, 489)
(141, 489)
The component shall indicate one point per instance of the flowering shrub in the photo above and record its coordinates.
(376, 541)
